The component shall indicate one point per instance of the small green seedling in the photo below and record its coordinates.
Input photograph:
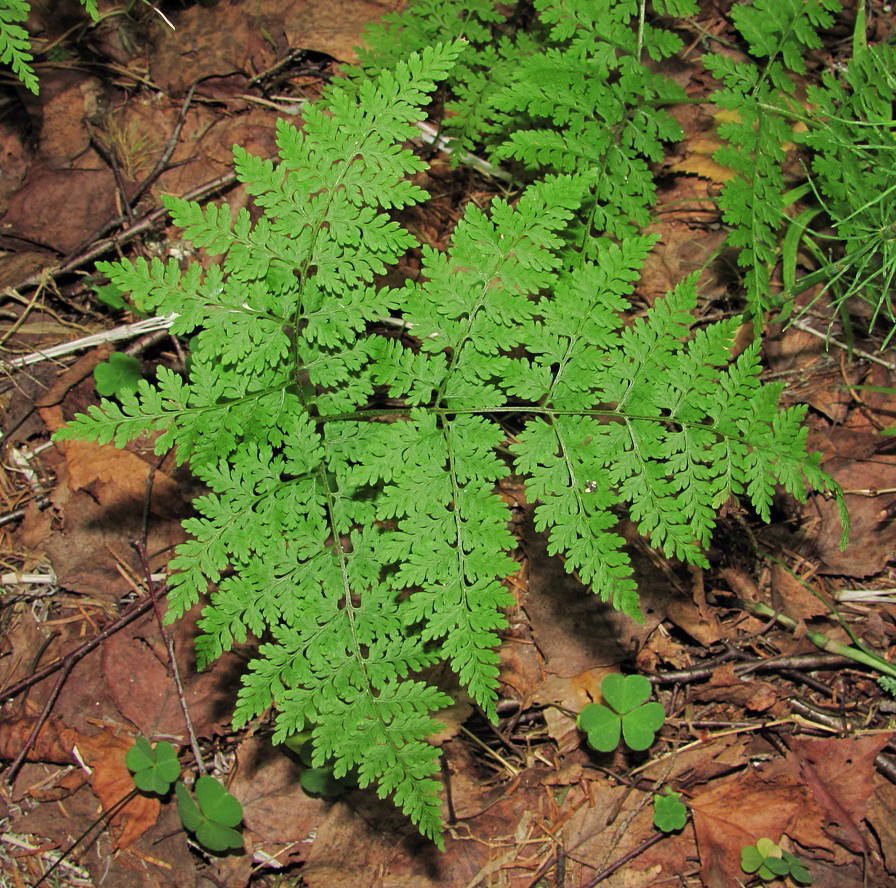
(213, 819)
(769, 861)
(119, 374)
(317, 782)
(669, 812)
(626, 712)
(154, 768)
(322, 783)
(111, 295)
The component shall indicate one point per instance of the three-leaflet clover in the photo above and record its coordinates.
(626, 713)
(154, 768)
(770, 861)
(213, 819)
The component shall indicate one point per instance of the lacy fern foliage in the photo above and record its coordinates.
(762, 99)
(15, 44)
(570, 94)
(351, 519)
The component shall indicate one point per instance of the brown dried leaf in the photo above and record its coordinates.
(266, 781)
(767, 800)
(840, 774)
(53, 744)
(135, 663)
(112, 781)
(727, 687)
(872, 537)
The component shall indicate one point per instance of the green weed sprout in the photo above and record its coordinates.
(769, 861)
(120, 373)
(669, 811)
(626, 713)
(154, 768)
(319, 782)
(213, 818)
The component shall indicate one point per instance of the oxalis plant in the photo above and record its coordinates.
(351, 435)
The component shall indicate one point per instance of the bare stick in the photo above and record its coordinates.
(69, 660)
(169, 646)
(128, 331)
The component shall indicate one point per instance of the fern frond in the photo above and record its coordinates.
(351, 518)
(588, 105)
(15, 45)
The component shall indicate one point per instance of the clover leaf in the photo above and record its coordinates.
(626, 713)
(769, 861)
(213, 819)
(120, 373)
(669, 812)
(154, 768)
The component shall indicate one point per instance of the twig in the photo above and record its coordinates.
(146, 222)
(802, 325)
(139, 608)
(100, 821)
(17, 762)
(152, 588)
(162, 162)
(432, 137)
(819, 639)
(773, 664)
(169, 646)
(28, 579)
(622, 861)
(18, 514)
(127, 331)
(510, 768)
(108, 155)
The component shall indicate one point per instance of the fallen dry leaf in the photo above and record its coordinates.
(266, 781)
(872, 536)
(725, 686)
(767, 800)
(135, 664)
(53, 744)
(840, 775)
(111, 780)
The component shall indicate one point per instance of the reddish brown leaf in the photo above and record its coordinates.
(840, 775)
(53, 744)
(112, 781)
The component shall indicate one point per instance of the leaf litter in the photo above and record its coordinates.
(527, 802)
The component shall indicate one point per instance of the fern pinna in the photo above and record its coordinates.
(362, 539)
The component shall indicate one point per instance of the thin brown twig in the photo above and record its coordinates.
(626, 858)
(99, 821)
(69, 660)
(140, 546)
(108, 155)
(162, 163)
(772, 664)
(104, 245)
(47, 708)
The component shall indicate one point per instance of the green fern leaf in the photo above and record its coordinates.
(351, 437)
(15, 45)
